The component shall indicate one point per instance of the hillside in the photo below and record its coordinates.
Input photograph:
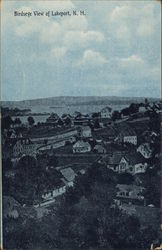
(77, 100)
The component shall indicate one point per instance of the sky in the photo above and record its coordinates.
(112, 50)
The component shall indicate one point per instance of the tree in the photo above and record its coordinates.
(116, 115)
(17, 121)
(45, 141)
(67, 121)
(53, 161)
(6, 122)
(95, 115)
(96, 123)
(60, 122)
(125, 178)
(7, 164)
(133, 108)
(125, 111)
(146, 102)
(31, 120)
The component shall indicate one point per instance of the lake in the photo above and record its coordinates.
(84, 109)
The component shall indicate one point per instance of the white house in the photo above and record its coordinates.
(106, 112)
(145, 150)
(81, 147)
(132, 163)
(127, 135)
(142, 109)
(129, 193)
(99, 149)
(57, 191)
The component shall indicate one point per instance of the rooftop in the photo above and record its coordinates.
(81, 143)
(68, 174)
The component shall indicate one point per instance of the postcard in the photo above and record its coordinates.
(81, 125)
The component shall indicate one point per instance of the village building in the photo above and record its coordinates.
(66, 116)
(142, 109)
(84, 131)
(17, 147)
(127, 135)
(81, 147)
(52, 119)
(106, 112)
(107, 134)
(122, 162)
(100, 149)
(129, 194)
(67, 180)
(11, 207)
(57, 191)
(13, 135)
(68, 176)
(23, 146)
(145, 150)
(82, 120)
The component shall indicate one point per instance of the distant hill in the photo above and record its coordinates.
(74, 101)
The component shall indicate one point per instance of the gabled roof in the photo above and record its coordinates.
(81, 143)
(131, 157)
(125, 187)
(134, 158)
(127, 132)
(116, 158)
(99, 146)
(68, 174)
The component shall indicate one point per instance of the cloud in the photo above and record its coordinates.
(133, 60)
(75, 39)
(53, 5)
(51, 33)
(92, 58)
(120, 12)
(129, 20)
(75, 23)
(58, 52)
(123, 32)
(147, 21)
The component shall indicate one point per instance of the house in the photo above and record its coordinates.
(67, 119)
(15, 148)
(23, 146)
(81, 120)
(84, 131)
(10, 207)
(52, 119)
(137, 163)
(105, 134)
(142, 109)
(127, 135)
(145, 150)
(99, 149)
(13, 135)
(67, 180)
(117, 162)
(81, 147)
(129, 194)
(122, 162)
(68, 176)
(106, 112)
(57, 191)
